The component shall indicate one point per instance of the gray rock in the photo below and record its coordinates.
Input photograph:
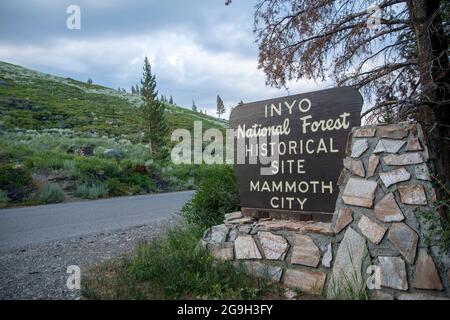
(365, 132)
(343, 219)
(421, 172)
(387, 209)
(426, 275)
(389, 146)
(404, 240)
(354, 166)
(405, 159)
(359, 192)
(273, 246)
(414, 194)
(307, 281)
(414, 144)
(261, 270)
(392, 131)
(420, 296)
(217, 234)
(374, 160)
(394, 176)
(346, 273)
(359, 147)
(393, 273)
(305, 251)
(224, 252)
(372, 231)
(245, 248)
(328, 256)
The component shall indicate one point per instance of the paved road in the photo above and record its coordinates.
(33, 225)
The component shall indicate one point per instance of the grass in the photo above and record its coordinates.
(91, 191)
(50, 193)
(174, 266)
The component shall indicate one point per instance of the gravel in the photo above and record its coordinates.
(40, 271)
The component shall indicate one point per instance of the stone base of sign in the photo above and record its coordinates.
(286, 214)
(380, 235)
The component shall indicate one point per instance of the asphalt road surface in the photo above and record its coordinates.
(34, 225)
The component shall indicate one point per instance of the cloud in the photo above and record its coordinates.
(196, 50)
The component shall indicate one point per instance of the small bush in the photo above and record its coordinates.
(93, 167)
(117, 188)
(3, 199)
(144, 183)
(16, 181)
(51, 193)
(91, 191)
(217, 194)
(172, 267)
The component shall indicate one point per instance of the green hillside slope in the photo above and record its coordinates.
(62, 139)
(35, 100)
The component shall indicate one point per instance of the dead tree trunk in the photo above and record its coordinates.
(432, 46)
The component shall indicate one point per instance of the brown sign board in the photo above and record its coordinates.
(303, 139)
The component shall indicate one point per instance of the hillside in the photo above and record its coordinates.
(62, 139)
(35, 100)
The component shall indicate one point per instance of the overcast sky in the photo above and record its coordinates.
(197, 48)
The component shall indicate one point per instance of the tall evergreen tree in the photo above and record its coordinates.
(194, 107)
(156, 128)
(171, 100)
(220, 106)
(133, 91)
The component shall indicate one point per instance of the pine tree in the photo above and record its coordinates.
(220, 106)
(133, 91)
(155, 124)
(89, 81)
(194, 107)
(240, 103)
(171, 100)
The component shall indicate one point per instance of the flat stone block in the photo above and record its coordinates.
(371, 230)
(354, 166)
(311, 282)
(414, 195)
(305, 251)
(387, 209)
(359, 147)
(343, 219)
(394, 176)
(405, 159)
(347, 269)
(392, 131)
(359, 192)
(404, 240)
(393, 273)
(426, 275)
(388, 146)
(374, 160)
(245, 248)
(367, 132)
(274, 246)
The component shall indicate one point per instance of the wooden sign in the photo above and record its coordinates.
(299, 142)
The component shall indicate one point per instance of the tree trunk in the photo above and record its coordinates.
(434, 77)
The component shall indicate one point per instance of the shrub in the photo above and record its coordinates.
(3, 199)
(170, 267)
(144, 183)
(16, 181)
(92, 167)
(217, 194)
(117, 188)
(51, 193)
(91, 191)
